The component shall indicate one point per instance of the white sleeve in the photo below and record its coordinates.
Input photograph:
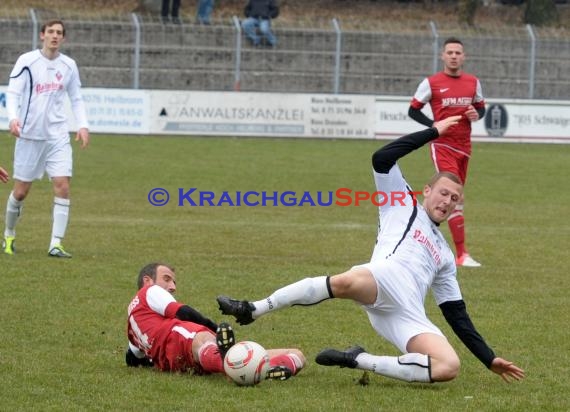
(158, 299)
(478, 93)
(445, 287)
(391, 187)
(423, 93)
(19, 78)
(77, 103)
(136, 351)
(393, 180)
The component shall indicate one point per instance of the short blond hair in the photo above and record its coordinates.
(451, 176)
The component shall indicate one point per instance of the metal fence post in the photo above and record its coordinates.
(435, 45)
(336, 83)
(237, 69)
(136, 51)
(35, 29)
(532, 63)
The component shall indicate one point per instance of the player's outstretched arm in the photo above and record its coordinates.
(188, 313)
(386, 157)
(446, 123)
(507, 370)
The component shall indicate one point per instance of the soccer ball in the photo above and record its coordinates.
(246, 363)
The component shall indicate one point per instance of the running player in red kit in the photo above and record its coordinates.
(449, 93)
(172, 336)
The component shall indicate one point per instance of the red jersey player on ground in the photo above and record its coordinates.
(449, 93)
(172, 336)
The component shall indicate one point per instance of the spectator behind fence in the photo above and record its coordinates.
(204, 11)
(165, 11)
(259, 14)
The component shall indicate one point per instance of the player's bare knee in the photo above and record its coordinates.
(61, 191)
(445, 369)
(19, 195)
(357, 284)
(340, 285)
(202, 338)
(20, 191)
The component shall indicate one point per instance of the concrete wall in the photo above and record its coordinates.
(193, 57)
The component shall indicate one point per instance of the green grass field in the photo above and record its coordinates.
(63, 322)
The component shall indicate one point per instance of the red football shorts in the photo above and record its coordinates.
(446, 159)
(178, 347)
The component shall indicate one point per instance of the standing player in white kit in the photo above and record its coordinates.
(38, 84)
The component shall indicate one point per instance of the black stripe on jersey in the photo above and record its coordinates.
(412, 218)
(26, 69)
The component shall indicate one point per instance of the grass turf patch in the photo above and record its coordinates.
(64, 322)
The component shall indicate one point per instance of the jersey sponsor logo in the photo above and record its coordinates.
(432, 249)
(48, 87)
(456, 101)
(444, 90)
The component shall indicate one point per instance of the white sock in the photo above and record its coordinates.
(308, 291)
(411, 367)
(60, 219)
(13, 212)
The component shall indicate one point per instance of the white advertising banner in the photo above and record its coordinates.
(122, 111)
(391, 117)
(126, 111)
(262, 114)
(542, 121)
(526, 119)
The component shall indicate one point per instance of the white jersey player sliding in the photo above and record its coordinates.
(39, 83)
(410, 257)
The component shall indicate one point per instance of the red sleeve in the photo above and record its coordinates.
(171, 310)
(416, 104)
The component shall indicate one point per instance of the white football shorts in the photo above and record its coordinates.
(33, 158)
(398, 313)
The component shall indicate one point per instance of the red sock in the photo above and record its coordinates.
(457, 229)
(284, 360)
(210, 359)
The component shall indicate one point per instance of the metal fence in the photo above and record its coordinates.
(136, 51)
